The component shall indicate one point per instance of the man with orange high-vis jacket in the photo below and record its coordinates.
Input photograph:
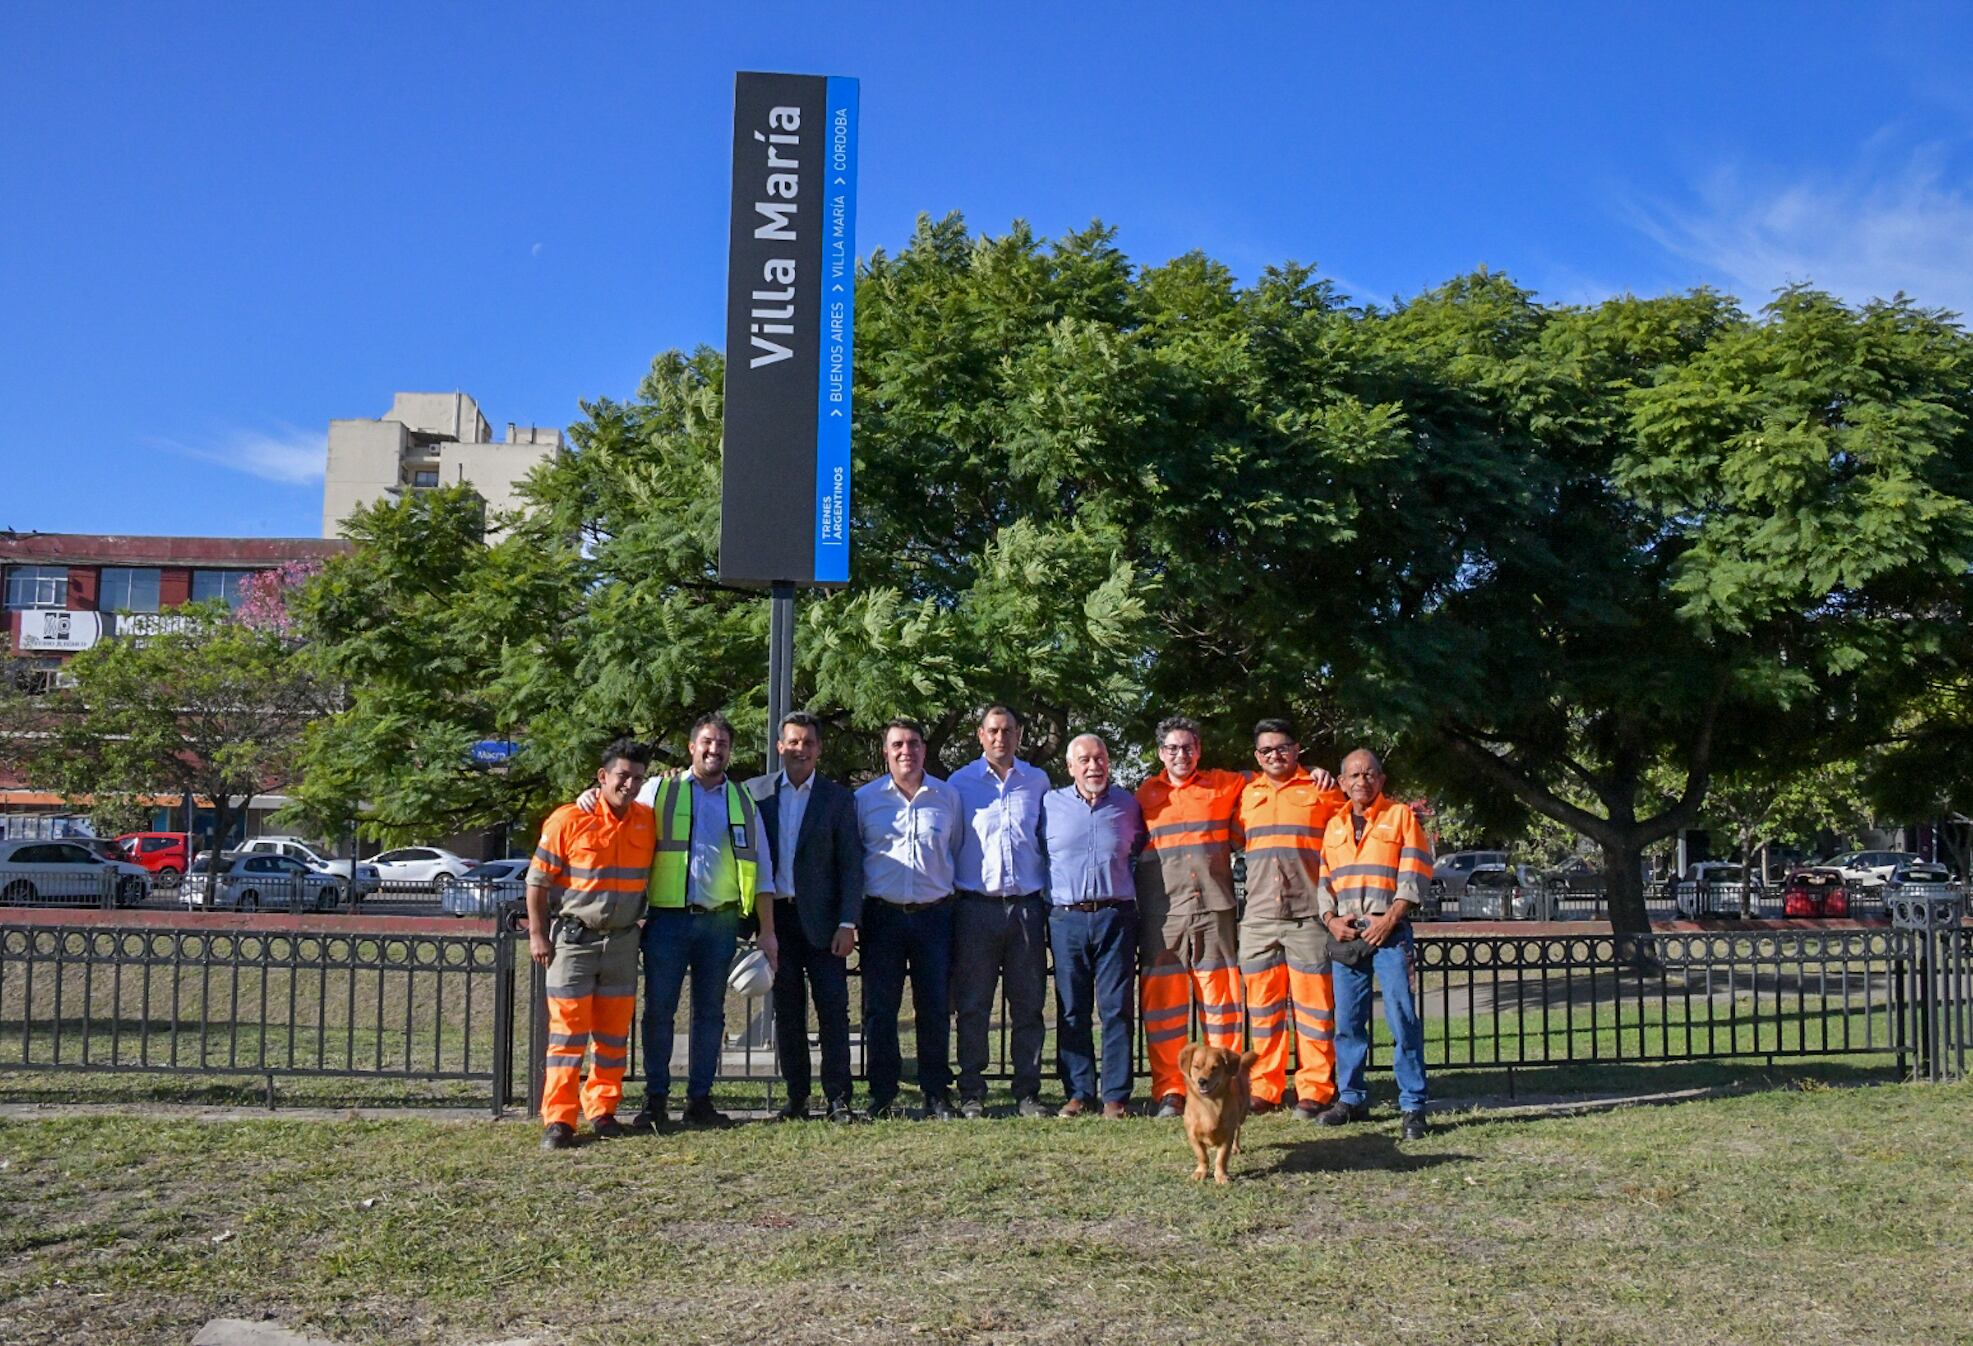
(1187, 948)
(1376, 864)
(594, 866)
(1284, 947)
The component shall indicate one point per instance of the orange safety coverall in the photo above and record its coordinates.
(1391, 859)
(595, 865)
(1187, 945)
(1284, 949)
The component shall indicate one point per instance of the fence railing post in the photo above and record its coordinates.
(1932, 971)
(537, 1035)
(503, 1021)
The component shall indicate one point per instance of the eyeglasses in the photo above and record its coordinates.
(1179, 749)
(1278, 750)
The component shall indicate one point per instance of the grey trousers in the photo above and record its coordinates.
(997, 942)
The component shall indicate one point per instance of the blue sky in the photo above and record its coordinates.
(225, 224)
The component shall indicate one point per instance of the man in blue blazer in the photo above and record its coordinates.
(818, 888)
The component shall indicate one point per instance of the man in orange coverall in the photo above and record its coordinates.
(1284, 948)
(595, 867)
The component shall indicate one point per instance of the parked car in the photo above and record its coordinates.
(1920, 872)
(365, 879)
(495, 888)
(1870, 869)
(1716, 888)
(67, 871)
(1451, 870)
(1577, 876)
(164, 854)
(1814, 891)
(419, 867)
(1499, 893)
(255, 882)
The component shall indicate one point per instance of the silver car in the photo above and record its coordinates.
(67, 873)
(490, 888)
(259, 883)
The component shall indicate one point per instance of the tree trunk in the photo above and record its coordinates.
(1623, 879)
(222, 820)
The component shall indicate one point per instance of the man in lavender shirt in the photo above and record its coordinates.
(1091, 834)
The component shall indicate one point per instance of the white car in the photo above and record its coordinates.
(67, 873)
(419, 867)
(259, 882)
(366, 878)
(1870, 869)
(1717, 888)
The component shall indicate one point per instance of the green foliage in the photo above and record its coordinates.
(1565, 562)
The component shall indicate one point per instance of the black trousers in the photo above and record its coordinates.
(806, 970)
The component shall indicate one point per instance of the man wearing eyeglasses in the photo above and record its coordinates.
(1284, 947)
(1187, 950)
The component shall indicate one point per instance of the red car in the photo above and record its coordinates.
(163, 853)
(1815, 892)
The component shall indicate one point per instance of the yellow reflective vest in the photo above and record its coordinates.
(673, 861)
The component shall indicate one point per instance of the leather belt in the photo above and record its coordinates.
(998, 897)
(1096, 904)
(914, 906)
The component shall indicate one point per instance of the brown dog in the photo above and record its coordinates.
(1217, 1092)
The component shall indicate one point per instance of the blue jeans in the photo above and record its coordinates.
(901, 941)
(676, 942)
(1095, 970)
(1392, 966)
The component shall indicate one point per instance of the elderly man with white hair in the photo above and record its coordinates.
(1091, 834)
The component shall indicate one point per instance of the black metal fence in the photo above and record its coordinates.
(266, 1003)
(407, 1007)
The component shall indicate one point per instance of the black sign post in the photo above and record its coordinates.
(790, 324)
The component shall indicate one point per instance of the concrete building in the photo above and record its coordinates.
(427, 440)
(65, 592)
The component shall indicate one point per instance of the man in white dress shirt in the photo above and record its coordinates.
(911, 825)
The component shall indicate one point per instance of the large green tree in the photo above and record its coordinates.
(1719, 540)
(1550, 558)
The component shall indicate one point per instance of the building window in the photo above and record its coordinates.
(128, 589)
(34, 676)
(37, 587)
(208, 584)
(424, 476)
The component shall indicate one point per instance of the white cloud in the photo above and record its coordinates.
(1906, 226)
(288, 455)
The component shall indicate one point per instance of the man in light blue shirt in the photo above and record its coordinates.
(1000, 925)
(911, 825)
(1092, 833)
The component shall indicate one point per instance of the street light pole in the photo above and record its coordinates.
(780, 666)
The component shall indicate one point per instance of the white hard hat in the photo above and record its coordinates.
(751, 976)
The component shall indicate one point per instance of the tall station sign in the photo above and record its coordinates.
(790, 321)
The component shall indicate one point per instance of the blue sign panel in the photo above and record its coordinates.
(493, 751)
(838, 312)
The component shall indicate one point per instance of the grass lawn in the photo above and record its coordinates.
(1801, 1214)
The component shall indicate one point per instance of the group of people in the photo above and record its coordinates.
(962, 889)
